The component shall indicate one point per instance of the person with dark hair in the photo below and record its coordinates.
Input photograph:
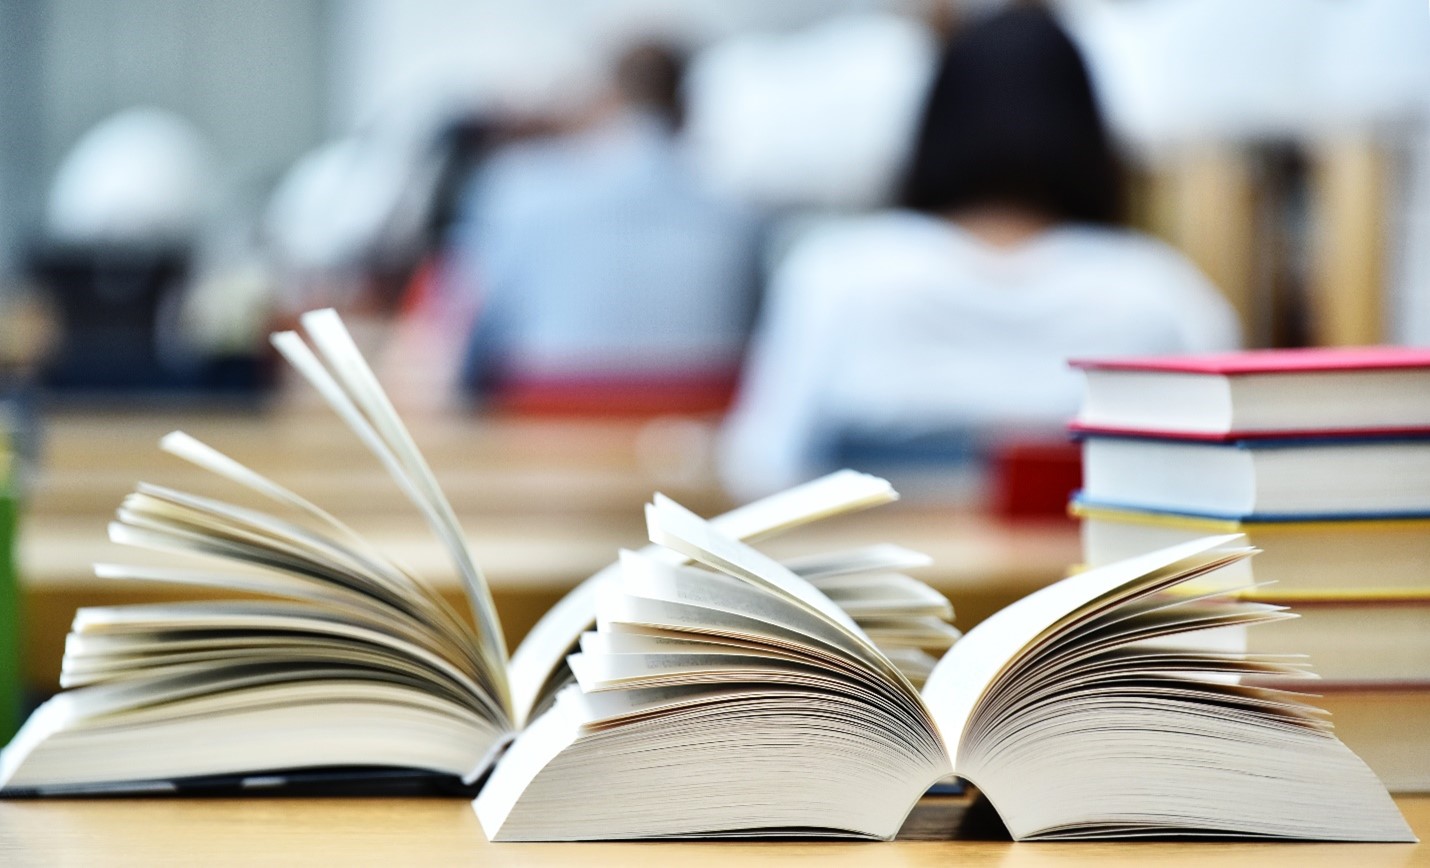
(1011, 121)
(648, 77)
(956, 314)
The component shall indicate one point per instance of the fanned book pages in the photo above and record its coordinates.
(732, 697)
(348, 664)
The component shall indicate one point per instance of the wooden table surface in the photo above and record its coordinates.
(445, 832)
(89, 459)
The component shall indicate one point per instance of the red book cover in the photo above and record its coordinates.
(1416, 432)
(1319, 359)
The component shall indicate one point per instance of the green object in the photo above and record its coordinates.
(10, 676)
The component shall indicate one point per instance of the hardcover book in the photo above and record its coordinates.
(1260, 393)
(1261, 480)
(1368, 557)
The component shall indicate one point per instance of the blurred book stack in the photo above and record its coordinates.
(1322, 458)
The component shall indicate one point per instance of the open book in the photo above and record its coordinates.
(735, 698)
(713, 691)
(348, 664)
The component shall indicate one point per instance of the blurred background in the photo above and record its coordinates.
(714, 247)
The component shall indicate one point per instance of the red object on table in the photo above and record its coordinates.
(1035, 479)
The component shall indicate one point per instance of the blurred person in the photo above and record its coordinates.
(608, 277)
(954, 317)
(352, 221)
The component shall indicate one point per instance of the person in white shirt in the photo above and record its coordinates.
(959, 313)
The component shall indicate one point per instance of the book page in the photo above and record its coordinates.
(210, 525)
(924, 631)
(835, 494)
(352, 390)
(623, 641)
(972, 666)
(862, 595)
(650, 580)
(831, 566)
(616, 609)
(545, 647)
(240, 618)
(676, 527)
(268, 584)
(602, 672)
(200, 454)
(282, 558)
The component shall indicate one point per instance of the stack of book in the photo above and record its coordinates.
(1322, 459)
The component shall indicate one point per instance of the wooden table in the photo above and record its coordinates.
(445, 832)
(486, 465)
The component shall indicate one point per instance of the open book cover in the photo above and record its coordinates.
(697, 687)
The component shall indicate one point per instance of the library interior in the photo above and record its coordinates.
(983, 429)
